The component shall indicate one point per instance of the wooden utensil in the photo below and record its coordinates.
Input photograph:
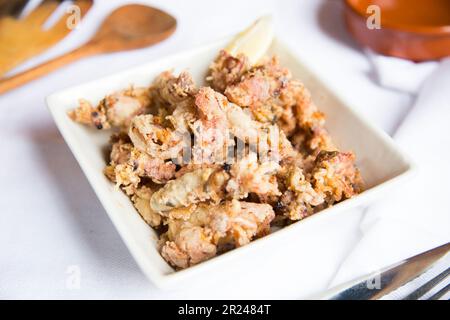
(411, 29)
(22, 39)
(11, 8)
(128, 27)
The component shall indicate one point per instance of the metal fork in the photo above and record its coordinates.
(430, 285)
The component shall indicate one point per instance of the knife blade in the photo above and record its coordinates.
(378, 284)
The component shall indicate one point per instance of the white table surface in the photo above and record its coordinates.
(51, 222)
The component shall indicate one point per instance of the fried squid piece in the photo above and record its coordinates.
(260, 86)
(250, 176)
(215, 109)
(212, 229)
(273, 145)
(115, 110)
(190, 167)
(182, 117)
(173, 98)
(121, 148)
(190, 246)
(171, 90)
(120, 153)
(128, 165)
(219, 121)
(141, 165)
(150, 136)
(211, 129)
(311, 123)
(141, 201)
(266, 90)
(227, 70)
(271, 94)
(336, 176)
(191, 188)
(299, 198)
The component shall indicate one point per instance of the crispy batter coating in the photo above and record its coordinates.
(249, 176)
(171, 90)
(115, 110)
(227, 70)
(266, 89)
(299, 198)
(311, 123)
(121, 148)
(214, 228)
(191, 188)
(141, 165)
(141, 200)
(216, 166)
(219, 123)
(149, 135)
(336, 176)
(332, 178)
(128, 164)
(269, 91)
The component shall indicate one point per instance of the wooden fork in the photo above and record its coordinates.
(21, 39)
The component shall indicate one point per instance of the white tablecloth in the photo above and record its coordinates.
(52, 226)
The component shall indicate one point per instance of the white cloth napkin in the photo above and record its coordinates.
(400, 74)
(417, 217)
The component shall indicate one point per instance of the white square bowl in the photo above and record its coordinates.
(382, 165)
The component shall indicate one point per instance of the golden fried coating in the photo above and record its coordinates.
(336, 176)
(299, 197)
(213, 167)
(191, 188)
(226, 70)
(141, 200)
(142, 165)
(128, 164)
(250, 176)
(170, 90)
(269, 91)
(149, 135)
(115, 110)
(219, 123)
(214, 228)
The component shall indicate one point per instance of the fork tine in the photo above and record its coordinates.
(42, 12)
(12, 8)
(416, 294)
(440, 293)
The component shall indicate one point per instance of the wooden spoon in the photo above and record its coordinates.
(128, 27)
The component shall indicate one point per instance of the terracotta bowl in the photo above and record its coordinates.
(417, 30)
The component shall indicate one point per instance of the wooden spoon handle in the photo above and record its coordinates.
(47, 67)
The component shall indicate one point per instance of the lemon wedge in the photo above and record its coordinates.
(253, 41)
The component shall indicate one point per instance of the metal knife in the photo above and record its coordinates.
(378, 284)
